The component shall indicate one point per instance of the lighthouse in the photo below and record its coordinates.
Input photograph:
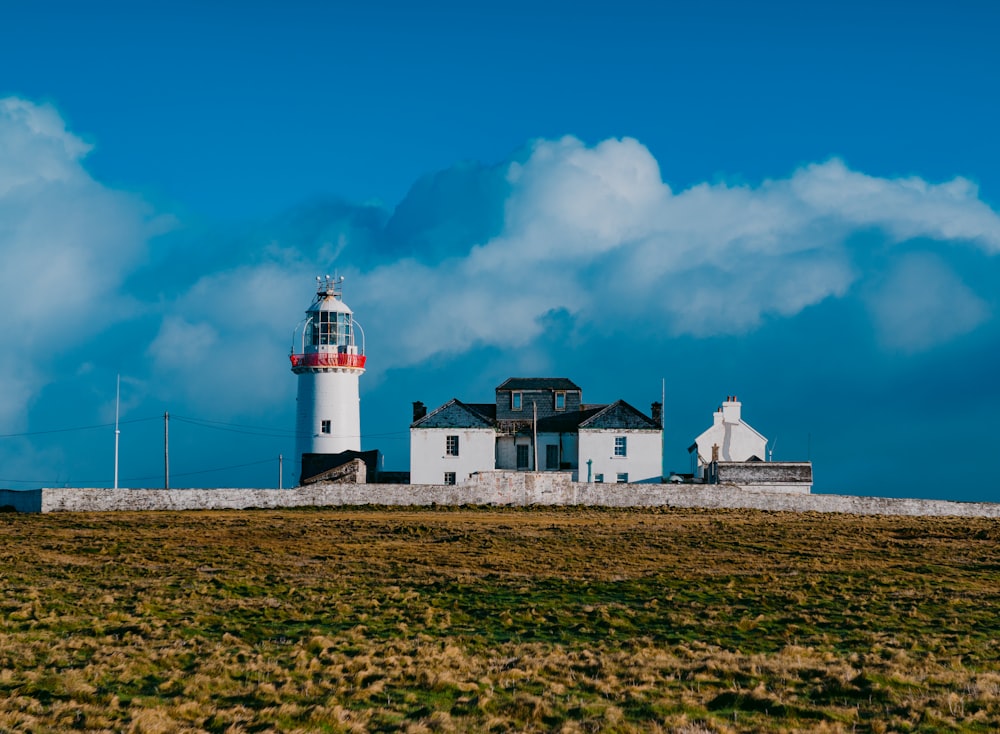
(328, 362)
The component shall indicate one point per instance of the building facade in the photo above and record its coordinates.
(536, 424)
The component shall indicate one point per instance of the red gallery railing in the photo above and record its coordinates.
(323, 359)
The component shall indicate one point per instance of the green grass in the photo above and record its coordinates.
(464, 619)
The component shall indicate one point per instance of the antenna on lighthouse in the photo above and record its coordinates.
(770, 454)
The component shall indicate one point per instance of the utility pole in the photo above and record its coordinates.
(534, 431)
(166, 450)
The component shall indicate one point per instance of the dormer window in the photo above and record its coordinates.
(515, 401)
(560, 401)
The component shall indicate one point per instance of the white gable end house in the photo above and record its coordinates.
(729, 438)
(733, 454)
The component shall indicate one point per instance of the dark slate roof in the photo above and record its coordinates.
(567, 422)
(456, 414)
(486, 410)
(620, 415)
(538, 383)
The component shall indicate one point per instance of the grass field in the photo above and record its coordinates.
(498, 620)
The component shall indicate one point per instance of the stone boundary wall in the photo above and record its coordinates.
(499, 488)
(762, 472)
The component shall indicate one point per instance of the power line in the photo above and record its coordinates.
(70, 430)
(235, 427)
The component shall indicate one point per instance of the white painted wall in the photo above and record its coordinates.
(328, 394)
(429, 462)
(643, 461)
(736, 440)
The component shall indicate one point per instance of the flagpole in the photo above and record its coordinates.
(118, 399)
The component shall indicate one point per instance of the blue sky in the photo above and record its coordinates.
(797, 203)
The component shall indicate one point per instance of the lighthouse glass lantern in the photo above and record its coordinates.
(328, 361)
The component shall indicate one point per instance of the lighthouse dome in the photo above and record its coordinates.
(330, 304)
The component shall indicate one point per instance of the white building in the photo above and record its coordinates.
(730, 438)
(328, 363)
(536, 424)
(620, 444)
(451, 444)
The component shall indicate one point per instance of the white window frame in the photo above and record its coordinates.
(560, 396)
(450, 478)
(622, 477)
(451, 445)
(516, 400)
(621, 447)
(326, 427)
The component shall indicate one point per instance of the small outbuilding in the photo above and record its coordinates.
(730, 438)
(733, 454)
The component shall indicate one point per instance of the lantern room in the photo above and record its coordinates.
(326, 337)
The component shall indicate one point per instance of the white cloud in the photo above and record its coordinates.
(592, 231)
(67, 243)
(35, 147)
(903, 207)
(923, 303)
(595, 231)
(217, 343)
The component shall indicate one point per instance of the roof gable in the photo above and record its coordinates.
(454, 414)
(620, 415)
(717, 430)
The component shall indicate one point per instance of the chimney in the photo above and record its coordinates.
(715, 452)
(419, 410)
(656, 410)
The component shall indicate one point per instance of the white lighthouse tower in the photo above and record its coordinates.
(328, 362)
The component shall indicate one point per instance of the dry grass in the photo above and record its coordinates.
(454, 620)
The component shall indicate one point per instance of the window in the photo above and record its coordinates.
(449, 477)
(560, 401)
(621, 447)
(522, 456)
(451, 445)
(515, 401)
(599, 478)
(623, 477)
(324, 426)
(552, 456)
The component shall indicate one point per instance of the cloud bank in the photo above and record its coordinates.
(595, 232)
(68, 243)
(475, 256)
